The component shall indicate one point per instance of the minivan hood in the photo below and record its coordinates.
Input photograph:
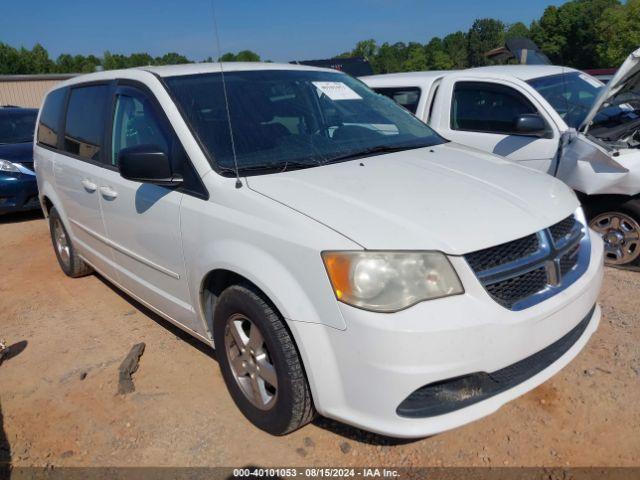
(626, 78)
(449, 198)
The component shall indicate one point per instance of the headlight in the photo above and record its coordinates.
(390, 281)
(7, 166)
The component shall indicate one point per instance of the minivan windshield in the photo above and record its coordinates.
(291, 119)
(17, 125)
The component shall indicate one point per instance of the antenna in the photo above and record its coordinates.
(226, 98)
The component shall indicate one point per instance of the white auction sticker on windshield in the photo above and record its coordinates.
(337, 91)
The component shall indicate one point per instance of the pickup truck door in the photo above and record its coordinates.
(480, 112)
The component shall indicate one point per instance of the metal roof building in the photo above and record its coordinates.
(28, 90)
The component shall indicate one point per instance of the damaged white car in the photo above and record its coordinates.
(555, 119)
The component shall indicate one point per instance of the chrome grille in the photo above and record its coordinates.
(526, 271)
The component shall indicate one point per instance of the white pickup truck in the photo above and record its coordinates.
(550, 118)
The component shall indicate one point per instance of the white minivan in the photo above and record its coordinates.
(341, 256)
(554, 119)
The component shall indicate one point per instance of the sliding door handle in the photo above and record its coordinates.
(88, 185)
(108, 193)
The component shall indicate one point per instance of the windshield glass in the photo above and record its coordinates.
(286, 119)
(17, 126)
(570, 94)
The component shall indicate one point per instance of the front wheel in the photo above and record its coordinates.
(260, 363)
(620, 230)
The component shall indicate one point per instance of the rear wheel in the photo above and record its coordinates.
(69, 261)
(259, 362)
(620, 230)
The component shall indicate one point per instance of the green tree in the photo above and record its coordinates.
(618, 33)
(112, 61)
(37, 60)
(437, 58)
(227, 57)
(485, 34)
(517, 29)
(9, 60)
(569, 34)
(247, 56)
(64, 63)
(171, 58)
(87, 64)
(139, 60)
(366, 49)
(455, 46)
(389, 58)
(243, 56)
(416, 58)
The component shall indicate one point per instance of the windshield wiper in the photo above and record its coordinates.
(298, 165)
(378, 149)
(277, 167)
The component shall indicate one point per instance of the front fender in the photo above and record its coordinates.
(280, 284)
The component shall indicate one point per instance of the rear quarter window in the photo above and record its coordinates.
(49, 124)
(85, 121)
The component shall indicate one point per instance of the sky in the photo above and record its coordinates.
(281, 30)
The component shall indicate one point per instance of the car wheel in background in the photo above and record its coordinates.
(620, 230)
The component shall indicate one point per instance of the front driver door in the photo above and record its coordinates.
(482, 114)
(143, 220)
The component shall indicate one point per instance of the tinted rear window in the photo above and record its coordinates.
(49, 126)
(408, 97)
(85, 123)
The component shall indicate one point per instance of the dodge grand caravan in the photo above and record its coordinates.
(341, 256)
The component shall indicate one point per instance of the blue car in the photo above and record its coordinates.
(18, 188)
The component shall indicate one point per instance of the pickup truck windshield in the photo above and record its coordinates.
(288, 119)
(570, 94)
(17, 126)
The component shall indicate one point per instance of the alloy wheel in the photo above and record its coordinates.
(61, 242)
(250, 361)
(621, 235)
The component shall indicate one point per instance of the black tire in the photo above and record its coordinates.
(73, 267)
(630, 208)
(292, 405)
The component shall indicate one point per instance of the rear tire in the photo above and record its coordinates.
(255, 351)
(619, 226)
(70, 263)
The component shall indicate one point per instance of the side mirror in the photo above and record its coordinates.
(147, 164)
(530, 124)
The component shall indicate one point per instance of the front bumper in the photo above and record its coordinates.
(362, 374)
(18, 192)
